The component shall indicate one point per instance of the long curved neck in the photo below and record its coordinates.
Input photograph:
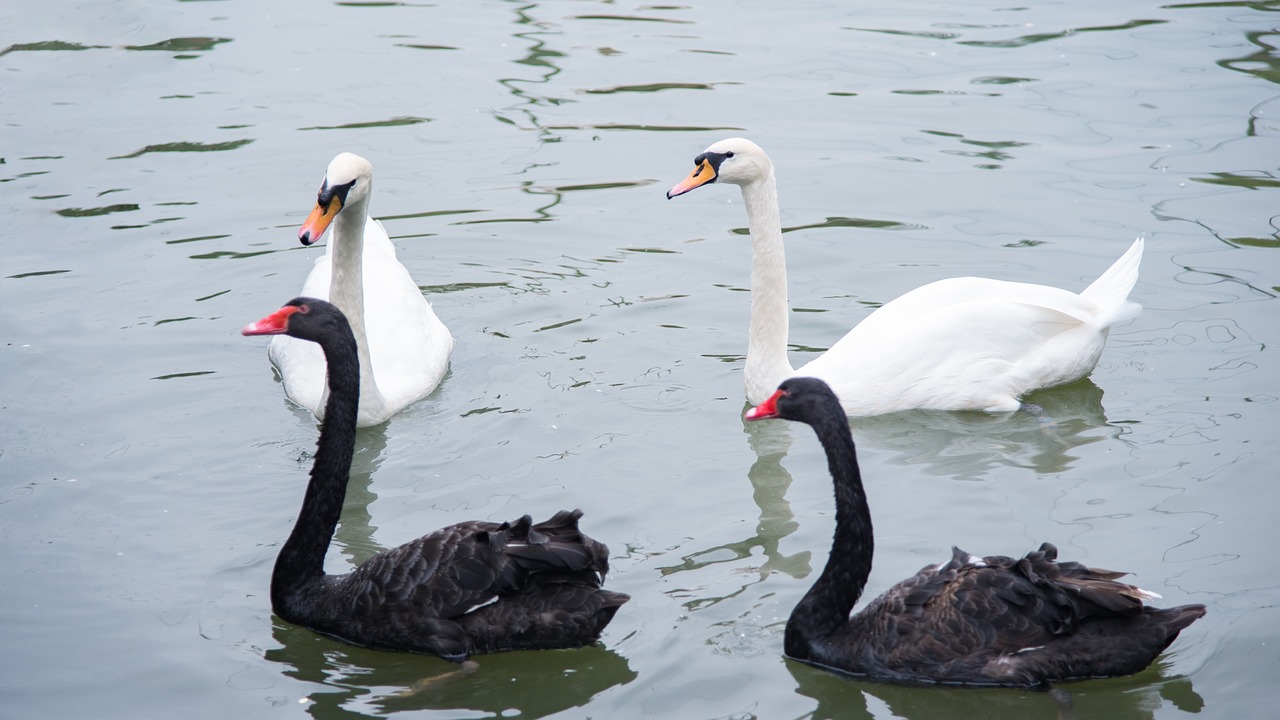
(767, 363)
(301, 559)
(825, 609)
(346, 287)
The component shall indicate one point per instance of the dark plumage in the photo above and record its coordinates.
(985, 621)
(473, 587)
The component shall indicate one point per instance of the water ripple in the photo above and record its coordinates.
(426, 47)
(35, 273)
(602, 185)
(839, 221)
(182, 44)
(651, 87)
(50, 45)
(199, 238)
(1261, 6)
(94, 212)
(908, 33)
(1253, 182)
(1045, 37)
(392, 122)
(1001, 80)
(649, 128)
(186, 147)
(633, 18)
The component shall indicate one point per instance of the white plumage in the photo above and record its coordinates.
(404, 348)
(957, 344)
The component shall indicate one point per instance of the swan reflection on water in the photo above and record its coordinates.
(1135, 697)
(354, 535)
(964, 446)
(369, 683)
(969, 445)
(769, 482)
(355, 531)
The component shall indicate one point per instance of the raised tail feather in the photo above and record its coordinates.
(555, 546)
(1102, 626)
(1110, 292)
(550, 588)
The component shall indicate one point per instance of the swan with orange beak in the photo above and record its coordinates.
(403, 347)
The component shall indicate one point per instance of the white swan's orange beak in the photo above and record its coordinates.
(767, 409)
(702, 174)
(318, 221)
(277, 323)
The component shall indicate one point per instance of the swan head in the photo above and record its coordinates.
(346, 182)
(737, 161)
(302, 317)
(802, 398)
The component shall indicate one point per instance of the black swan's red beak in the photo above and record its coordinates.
(767, 409)
(277, 323)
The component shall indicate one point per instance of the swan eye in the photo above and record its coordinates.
(728, 154)
(328, 192)
(304, 309)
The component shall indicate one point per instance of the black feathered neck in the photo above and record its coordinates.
(301, 559)
(824, 610)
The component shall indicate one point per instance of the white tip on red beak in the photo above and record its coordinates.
(765, 410)
(277, 323)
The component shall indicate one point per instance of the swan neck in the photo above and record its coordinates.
(824, 610)
(301, 559)
(767, 363)
(346, 287)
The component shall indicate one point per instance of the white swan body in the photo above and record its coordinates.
(957, 344)
(404, 348)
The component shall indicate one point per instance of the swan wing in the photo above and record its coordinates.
(408, 345)
(560, 602)
(1019, 621)
(506, 585)
(948, 621)
(376, 237)
(962, 344)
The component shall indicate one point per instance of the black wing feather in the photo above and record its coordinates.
(473, 587)
(1000, 620)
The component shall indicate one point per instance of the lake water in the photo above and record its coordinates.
(158, 158)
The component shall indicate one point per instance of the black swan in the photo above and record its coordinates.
(473, 587)
(982, 621)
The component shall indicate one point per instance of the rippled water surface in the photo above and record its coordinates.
(158, 157)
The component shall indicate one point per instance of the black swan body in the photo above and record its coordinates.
(983, 621)
(473, 587)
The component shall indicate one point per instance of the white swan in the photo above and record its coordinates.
(956, 344)
(404, 348)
